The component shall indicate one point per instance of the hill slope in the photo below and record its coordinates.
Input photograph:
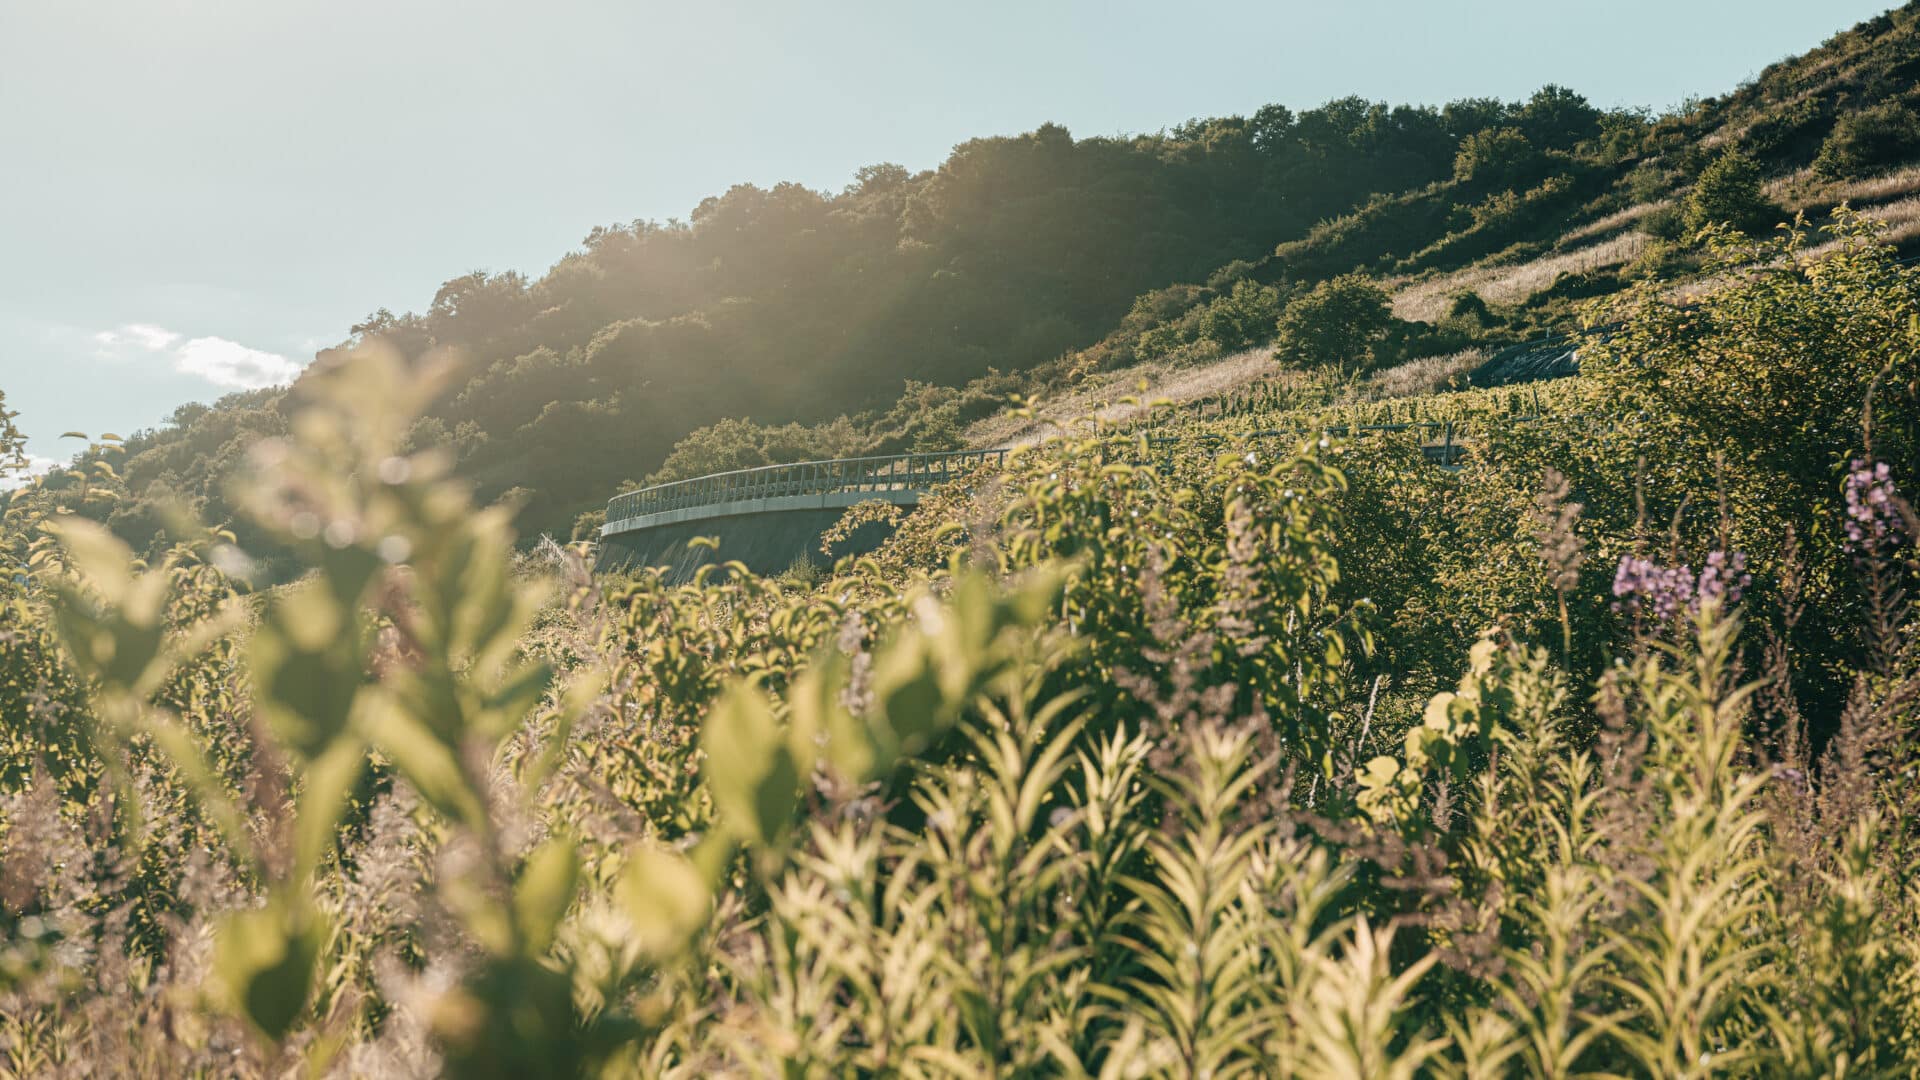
(904, 307)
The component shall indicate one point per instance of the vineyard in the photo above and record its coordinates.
(1230, 742)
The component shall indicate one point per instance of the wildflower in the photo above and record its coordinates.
(1873, 522)
(1724, 579)
(1642, 585)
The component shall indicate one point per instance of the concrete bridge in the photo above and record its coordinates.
(771, 517)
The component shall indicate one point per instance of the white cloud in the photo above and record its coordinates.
(36, 466)
(151, 336)
(215, 359)
(140, 335)
(229, 363)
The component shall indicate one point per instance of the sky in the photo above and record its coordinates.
(195, 195)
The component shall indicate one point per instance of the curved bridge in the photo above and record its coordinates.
(771, 517)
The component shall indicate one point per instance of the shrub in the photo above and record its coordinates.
(1728, 193)
(1468, 305)
(1337, 324)
(1667, 223)
(1246, 316)
(1869, 141)
(1496, 158)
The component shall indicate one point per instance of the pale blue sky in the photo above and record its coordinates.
(201, 192)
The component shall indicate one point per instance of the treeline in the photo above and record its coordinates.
(888, 314)
(789, 304)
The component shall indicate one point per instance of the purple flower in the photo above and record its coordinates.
(1873, 524)
(1641, 585)
(1724, 579)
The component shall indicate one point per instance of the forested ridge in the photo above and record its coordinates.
(911, 303)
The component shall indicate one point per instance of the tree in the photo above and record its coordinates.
(1494, 158)
(1272, 128)
(1870, 140)
(1556, 118)
(1468, 116)
(885, 176)
(1246, 316)
(1728, 192)
(721, 447)
(1337, 323)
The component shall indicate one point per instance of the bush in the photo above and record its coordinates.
(1728, 193)
(1496, 158)
(1246, 316)
(1665, 223)
(1337, 324)
(1467, 305)
(1870, 141)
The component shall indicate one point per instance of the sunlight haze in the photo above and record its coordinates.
(200, 193)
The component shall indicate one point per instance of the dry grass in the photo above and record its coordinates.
(1901, 219)
(1877, 189)
(1104, 395)
(1428, 375)
(1802, 190)
(1614, 222)
(1426, 301)
(1794, 190)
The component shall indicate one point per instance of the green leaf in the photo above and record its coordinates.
(665, 899)
(329, 783)
(101, 559)
(750, 766)
(545, 891)
(908, 693)
(427, 763)
(264, 962)
(306, 666)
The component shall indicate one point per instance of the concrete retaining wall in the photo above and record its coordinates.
(768, 535)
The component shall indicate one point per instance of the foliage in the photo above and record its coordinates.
(1557, 118)
(1091, 783)
(1017, 265)
(1728, 193)
(1337, 324)
(1241, 744)
(742, 444)
(1502, 156)
(1870, 140)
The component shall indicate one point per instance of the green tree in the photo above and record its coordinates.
(1246, 316)
(1557, 118)
(1728, 192)
(1338, 323)
(1272, 128)
(1867, 141)
(722, 447)
(1496, 157)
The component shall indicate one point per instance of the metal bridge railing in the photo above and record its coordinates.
(892, 472)
(920, 472)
